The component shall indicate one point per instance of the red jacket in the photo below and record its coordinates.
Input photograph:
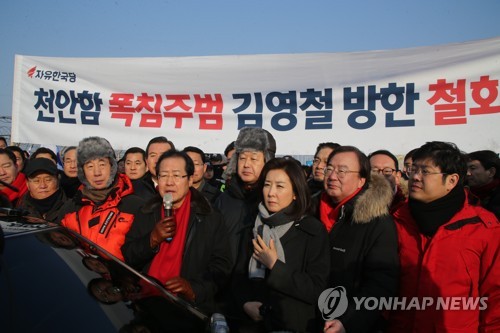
(106, 224)
(461, 260)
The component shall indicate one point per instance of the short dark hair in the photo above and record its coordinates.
(331, 145)
(135, 150)
(4, 140)
(410, 154)
(176, 153)
(364, 162)
(44, 150)
(299, 184)
(159, 139)
(229, 147)
(386, 153)
(10, 154)
(446, 156)
(488, 159)
(196, 150)
(19, 150)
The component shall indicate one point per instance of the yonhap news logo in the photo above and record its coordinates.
(333, 303)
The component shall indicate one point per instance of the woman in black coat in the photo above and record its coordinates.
(289, 264)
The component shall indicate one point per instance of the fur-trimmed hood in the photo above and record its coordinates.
(374, 201)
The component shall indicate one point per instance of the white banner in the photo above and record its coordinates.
(395, 100)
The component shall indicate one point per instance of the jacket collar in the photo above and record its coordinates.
(372, 202)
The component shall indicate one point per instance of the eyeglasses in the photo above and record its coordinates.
(177, 178)
(318, 161)
(422, 171)
(385, 171)
(341, 173)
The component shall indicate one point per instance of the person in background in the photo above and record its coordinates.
(44, 198)
(135, 163)
(448, 248)
(156, 146)
(104, 208)
(209, 174)
(483, 179)
(228, 152)
(69, 177)
(20, 157)
(385, 163)
(45, 153)
(200, 167)
(407, 163)
(121, 165)
(188, 252)
(363, 240)
(318, 168)
(12, 182)
(3, 142)
(289, 264)
(220, 169)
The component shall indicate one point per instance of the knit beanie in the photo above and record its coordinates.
(92, 148)
(252, 139)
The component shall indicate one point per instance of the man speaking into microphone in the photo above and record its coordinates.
(195, 260)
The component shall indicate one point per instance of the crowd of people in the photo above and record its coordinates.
(262, 243)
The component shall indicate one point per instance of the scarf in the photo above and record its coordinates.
(398, 200)
(20, 184)
(70, 185)
(44, 205)
(98, 196)
(269, 227)
(168, 261)
(483, 192)
(430, 216)
(240, 190)
(329, 211)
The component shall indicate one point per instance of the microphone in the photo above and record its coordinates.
(218, 323)
(167, 208)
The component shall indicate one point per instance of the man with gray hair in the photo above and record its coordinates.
(104, 209)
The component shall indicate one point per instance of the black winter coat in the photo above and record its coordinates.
(290, 290)
(207, 260)
(364, 253)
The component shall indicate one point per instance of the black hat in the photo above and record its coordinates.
(40, 164)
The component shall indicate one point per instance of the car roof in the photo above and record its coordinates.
(50, 286)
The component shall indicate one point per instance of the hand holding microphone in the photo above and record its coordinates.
(168, 211)
(166, 228)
